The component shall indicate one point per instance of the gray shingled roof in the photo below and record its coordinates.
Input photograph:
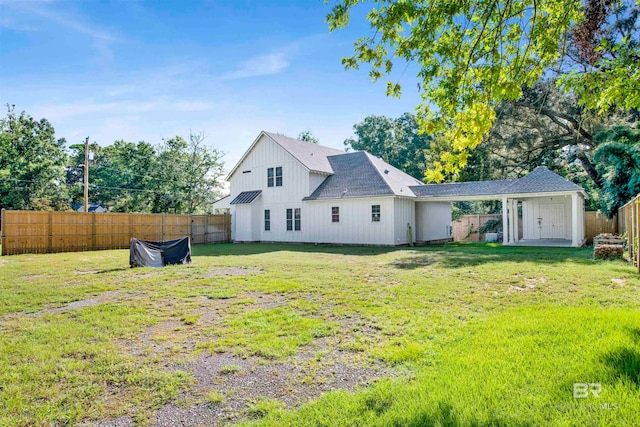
(353, 176)
(359, 174)
(455, 189)
(540, 180)
(312, 156)
(246, 197)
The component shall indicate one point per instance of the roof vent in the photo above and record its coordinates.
(386, 171)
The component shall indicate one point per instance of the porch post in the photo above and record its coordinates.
(505, 222)
(575, 224)
(513, 215)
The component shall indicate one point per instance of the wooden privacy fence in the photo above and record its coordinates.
(43, 232)
(466, 227)
(596, 223)
(629, 223)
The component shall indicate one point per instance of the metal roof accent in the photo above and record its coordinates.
(246, 197)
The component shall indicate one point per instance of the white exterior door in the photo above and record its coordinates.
(552, 221)
(243, 223)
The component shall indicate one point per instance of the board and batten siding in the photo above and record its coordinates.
(432, 221)
(405, 213)
(252, 175)
(355, 225)
(545, 208)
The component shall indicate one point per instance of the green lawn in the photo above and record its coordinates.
(458, 334)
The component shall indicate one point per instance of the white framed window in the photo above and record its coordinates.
(335, 214)
(375, 213)
(297, 219)
(270, 177)
(289, 219)
(274, 177)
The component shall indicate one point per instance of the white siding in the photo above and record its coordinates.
(252, 175)
(433, 220)
(531, 211)
(355, 226)
(315, 179)
(405, 213)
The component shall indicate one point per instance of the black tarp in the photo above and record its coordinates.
(145, 253)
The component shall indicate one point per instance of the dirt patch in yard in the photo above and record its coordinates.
(529, 284)
(103, 298)
(244, 381)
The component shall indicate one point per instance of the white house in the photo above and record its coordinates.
(287, 190)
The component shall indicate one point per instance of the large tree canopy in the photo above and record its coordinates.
(475, 54)
(32, 164)
(177, 176)
(396, 141)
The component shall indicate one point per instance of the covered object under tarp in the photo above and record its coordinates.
(145, 253)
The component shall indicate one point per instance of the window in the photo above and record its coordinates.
(274, 173)
(297, 219)
(335, 214)
(270, 177)
(375, 213)
(267, 220)
(289, 219)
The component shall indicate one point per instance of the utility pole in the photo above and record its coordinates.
(86, 175)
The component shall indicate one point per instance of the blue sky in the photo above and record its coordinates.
(138, 70)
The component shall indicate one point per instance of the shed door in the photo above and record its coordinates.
(552, 221)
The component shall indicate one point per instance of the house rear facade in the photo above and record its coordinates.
(287, 190)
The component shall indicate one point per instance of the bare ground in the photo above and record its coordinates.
(241, 382)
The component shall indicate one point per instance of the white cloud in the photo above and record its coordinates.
(67, 21)
(263, 65)
(100, 38)
(10, 24)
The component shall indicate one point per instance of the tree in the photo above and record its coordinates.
(396, 141)
(308, 136)
(618, 159)
(202, 172)
(31, 164)
(188, 175)
(473, 55)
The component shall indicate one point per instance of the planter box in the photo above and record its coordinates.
(491, 237)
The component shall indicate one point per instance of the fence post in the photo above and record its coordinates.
(2, 243)
(191, 228)
(93, 231)
(162, 238)
(50, 232)
(206, 229)
(637, 224)
(130, 227)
